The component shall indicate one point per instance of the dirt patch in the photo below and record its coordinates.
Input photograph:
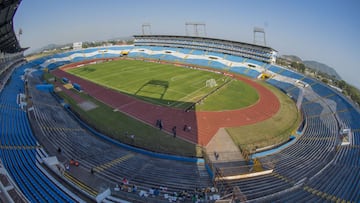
(87, 105)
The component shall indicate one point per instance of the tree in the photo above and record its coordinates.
(342, 84)
(294, 64)
(301, 67)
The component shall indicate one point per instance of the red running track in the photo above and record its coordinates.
(204, 125)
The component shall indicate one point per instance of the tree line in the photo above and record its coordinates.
(348, 90)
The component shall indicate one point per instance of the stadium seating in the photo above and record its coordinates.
(209, 45)
(215, 54)
(259, 186)
(301, 171)
(239, 70)
(199, 62)
(9, 187)
(291, 74)
(275, 69)
(206, 62)
(322, 90)
(356, 135)
(234, 58)
(294, 195)
(170, 58)
(252, 73)
(216, 65)
(319, 141)
(345, 175)
(197, 52)
(255, 62)
(144, 171)
(285, 72)
(309, 81)
(316, 147)
(19, 146)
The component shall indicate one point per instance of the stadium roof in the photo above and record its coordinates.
(8, 40)
(208, 38)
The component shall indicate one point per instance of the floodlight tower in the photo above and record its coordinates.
(19, 34)
(259, 36)
(195, 28)
(146, 28)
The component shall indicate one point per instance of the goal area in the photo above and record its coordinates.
(210, 83)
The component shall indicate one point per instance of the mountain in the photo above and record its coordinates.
(58, 46)
(48, 47)
(291, 58)
(313, 65)
(129, 38)
(322, 68)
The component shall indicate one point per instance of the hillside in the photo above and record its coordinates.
(322, 68)
(291, 58)
(313, 65)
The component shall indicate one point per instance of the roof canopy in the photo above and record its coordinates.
(8, 40)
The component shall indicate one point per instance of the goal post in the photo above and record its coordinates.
(210, 83)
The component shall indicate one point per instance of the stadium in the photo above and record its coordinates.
(171, 119)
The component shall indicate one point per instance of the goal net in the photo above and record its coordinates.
(211, 83)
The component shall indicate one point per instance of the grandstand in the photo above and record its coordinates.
(41, 137)
(11, 56)
(218, 46)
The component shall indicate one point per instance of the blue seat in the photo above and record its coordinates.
(21, 163)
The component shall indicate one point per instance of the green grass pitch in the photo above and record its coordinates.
(169, 85)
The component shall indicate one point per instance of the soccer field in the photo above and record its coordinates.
(169, 85)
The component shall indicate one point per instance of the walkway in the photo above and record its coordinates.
(230, 159)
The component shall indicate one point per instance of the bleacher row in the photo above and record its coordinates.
(93, 53)
(19, 147)
(56, 60)
(258, 53)
(8, 188)
(338, 182)
(327, 168)
(209, 62)
(308, 162)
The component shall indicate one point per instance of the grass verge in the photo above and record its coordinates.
(271, 131)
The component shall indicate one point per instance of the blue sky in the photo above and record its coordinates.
(324, 30)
